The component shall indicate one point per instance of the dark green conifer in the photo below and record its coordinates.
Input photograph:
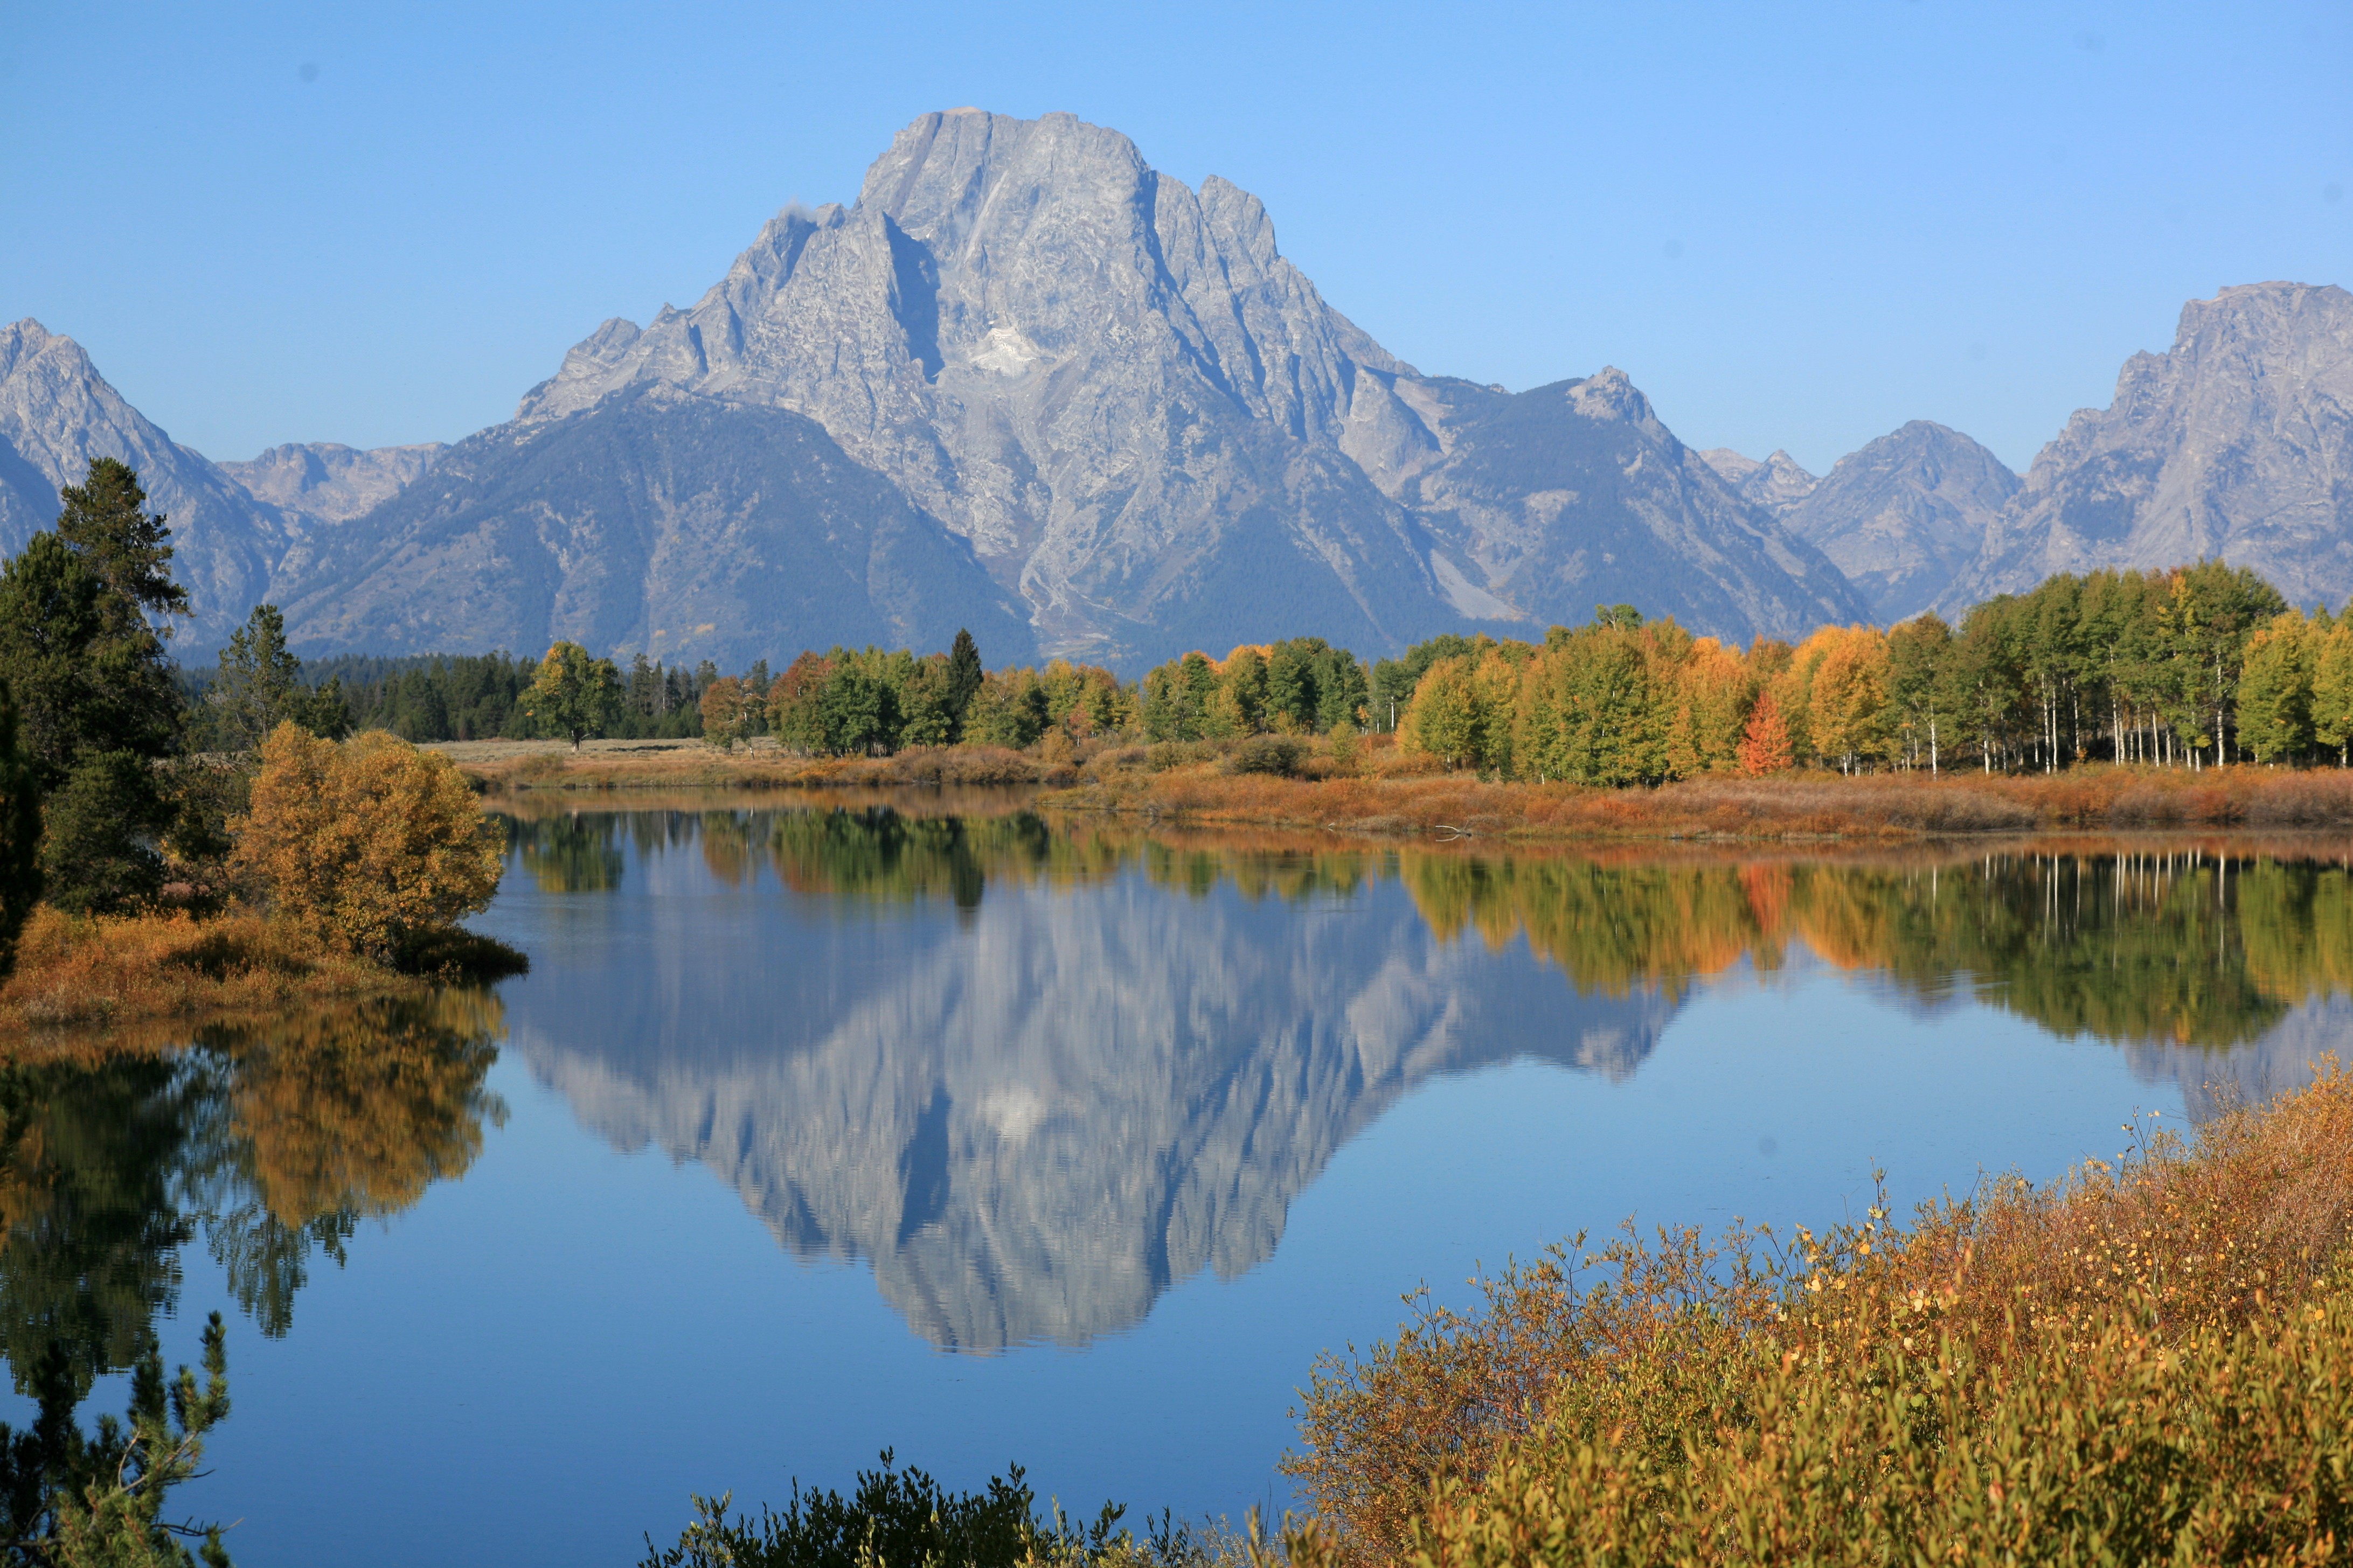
(965, 675)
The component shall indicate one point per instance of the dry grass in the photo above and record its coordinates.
(1657, 1388)
(159, 971)
(1389, 795)
(520, 766)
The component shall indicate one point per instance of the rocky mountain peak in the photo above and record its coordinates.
(2236, 443)
(57, 413)
(1907, 513)
(1776, 484)
(325, 481)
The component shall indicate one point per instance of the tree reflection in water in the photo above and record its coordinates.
(1034, 1121)
(271, 1141)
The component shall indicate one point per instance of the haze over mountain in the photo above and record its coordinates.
(1776, 484)
(2237, 443)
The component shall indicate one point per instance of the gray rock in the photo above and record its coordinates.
(57, 413)
(1149, 423)
(653, 520)
(2236, 444)
(1776, 484)
(1906, 515)
(323, 482)
(1572, 495)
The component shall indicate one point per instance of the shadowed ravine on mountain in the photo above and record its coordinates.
(1037, 1075)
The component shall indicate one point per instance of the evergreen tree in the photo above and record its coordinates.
(20, 835)
(94, 695)
(105, 519)
(100, 833)
(259, 685)
(965, 675)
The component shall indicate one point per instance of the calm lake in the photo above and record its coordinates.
(823, 1127)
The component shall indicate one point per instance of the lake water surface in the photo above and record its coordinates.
(1001, 1138)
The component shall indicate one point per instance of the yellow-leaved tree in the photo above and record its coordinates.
(371, 839)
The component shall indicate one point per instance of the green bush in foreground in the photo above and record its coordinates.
(72, 1501)
(905, 1519)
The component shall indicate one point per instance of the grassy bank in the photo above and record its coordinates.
(539, 766)
(2149, 1360)
(166, 970)
(1388, 795)
(1378, 790)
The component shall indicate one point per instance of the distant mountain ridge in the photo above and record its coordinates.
(1108, 420)
(2236, 443)
(57, 413)
(1906, 515)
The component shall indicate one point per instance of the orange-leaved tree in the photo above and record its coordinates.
(373, 840)
(1765, 744)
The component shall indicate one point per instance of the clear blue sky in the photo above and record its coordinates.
(1793, 226)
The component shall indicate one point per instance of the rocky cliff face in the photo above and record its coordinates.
(324, 481)
(687, 527)
(1152, 428)
(1776, 484)
(2237, 443)
(1904, 516)
(1556, 500)
(57, 413)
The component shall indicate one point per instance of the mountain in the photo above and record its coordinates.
(1906, 515)
(328, 482)
(1776, 484)
(1040, 387)
(1153, 430)
(687, 527)
(57, 413)
(2236, 443)
(1575, 494)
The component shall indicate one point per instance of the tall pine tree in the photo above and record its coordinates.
(93, 689)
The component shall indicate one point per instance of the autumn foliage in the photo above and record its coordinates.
(2151, 1361)
(371, 839)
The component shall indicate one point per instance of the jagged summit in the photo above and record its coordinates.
(1776, 484)
(1145, 420)
(2236, 443)
(1905, 514)
(1085, 394)
(57, 413)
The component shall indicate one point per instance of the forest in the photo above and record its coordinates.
(2180, 669)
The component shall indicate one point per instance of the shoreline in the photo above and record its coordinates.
(82, 977)
(1386, 796)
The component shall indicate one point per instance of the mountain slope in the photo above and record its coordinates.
(2237, 443)
(1148, 423)
(1776, 484)
(1906, 515)
(57, 413)
(684, 526)
(325, 481)
(1572, 495)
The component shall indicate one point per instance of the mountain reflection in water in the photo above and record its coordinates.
(1037, 1073)
(270, 1141)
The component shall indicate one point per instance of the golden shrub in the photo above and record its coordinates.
(371, 838)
